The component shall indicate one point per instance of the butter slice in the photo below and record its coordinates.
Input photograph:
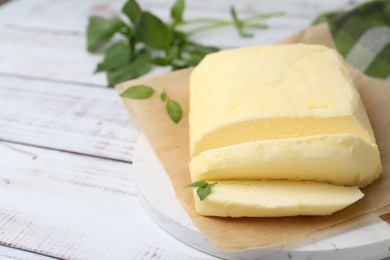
(275, 199)
(273, 92)
(342, 159)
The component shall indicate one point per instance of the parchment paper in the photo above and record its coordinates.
(171, 144)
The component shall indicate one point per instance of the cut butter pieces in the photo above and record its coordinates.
(341, 159)
(279, 115)
(275, 199)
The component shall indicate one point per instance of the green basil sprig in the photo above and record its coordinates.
(172, 107)
(131, 48)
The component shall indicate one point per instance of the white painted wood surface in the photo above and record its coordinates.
(66, 187)
(74, 207)
(55, 57)
(66, 117)
(55, 31)
(10, 253)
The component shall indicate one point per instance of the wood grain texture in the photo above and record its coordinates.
(71, 16)
(55, 30)
(66, 117)
(48, 56)
(81, 207)
(75, 207)
(10, 253)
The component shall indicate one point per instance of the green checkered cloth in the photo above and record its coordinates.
(362, 36)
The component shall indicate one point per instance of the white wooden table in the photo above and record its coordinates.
(66, 141)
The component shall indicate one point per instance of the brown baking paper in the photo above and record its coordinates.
(171, 144)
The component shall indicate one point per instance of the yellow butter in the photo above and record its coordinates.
(342, 159)
(272, 92)
(279, 127)
(275, 199)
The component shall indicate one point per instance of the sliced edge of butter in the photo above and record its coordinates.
(275, 199)
(342, 159)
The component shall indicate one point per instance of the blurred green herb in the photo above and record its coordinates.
(328, 16)
(238, 23)
(132, 48)
(173, 108)
(138, 92)
(203, 188)
(177, 12)
(100, 30)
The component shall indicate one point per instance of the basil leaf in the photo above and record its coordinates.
(178, 35)
(137, 67)
(177, 11)
(160, 61)
(329, 16)
(203, 192)
(163, 96)
(116, 56)
(197, 184)
(150, 30)
(179, 63)
(132, 10)
(174, 110)
(197, 52)
(203, 188)
(236, 21)
(138, 92)
(100, 30)
(202, 49)
(238, 24)
(195, 59)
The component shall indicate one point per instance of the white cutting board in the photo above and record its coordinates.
(368, 240)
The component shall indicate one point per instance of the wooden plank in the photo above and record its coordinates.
(27, 15)
(62, 57)
(48, 56)
(55, 30)
(67, 117)
(71, 16)
(76, 207)
(73, 206)
(10, 253)
(64, 16)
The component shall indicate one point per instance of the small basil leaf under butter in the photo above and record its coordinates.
(203, 188)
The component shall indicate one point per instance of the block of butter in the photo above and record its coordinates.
(288, 113)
